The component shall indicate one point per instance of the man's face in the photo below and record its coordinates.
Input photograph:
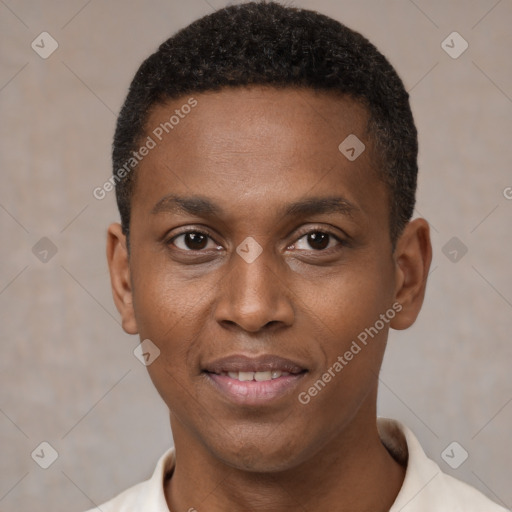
(251, 170)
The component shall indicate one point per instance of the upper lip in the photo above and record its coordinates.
(243, 363)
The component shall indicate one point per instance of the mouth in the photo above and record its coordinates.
(258, 376)
(254, 380)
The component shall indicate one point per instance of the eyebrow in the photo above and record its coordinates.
(202, 207)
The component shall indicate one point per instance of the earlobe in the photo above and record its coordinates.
(413, 255)
(119, 267)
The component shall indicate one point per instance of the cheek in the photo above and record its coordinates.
(347, 302)
(167, 315)
(162, 300)
(164, 313)
(349, 332)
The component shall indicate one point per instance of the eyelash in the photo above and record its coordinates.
(301, 235)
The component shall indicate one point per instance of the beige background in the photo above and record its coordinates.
(68, 372)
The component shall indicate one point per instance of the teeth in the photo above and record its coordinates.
(257, 376)
(262, 376)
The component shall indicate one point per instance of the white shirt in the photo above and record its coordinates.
(425, 488)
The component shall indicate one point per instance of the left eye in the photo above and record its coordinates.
(193, 241)
(317, 240)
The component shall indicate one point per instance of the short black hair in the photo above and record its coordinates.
(266, 43)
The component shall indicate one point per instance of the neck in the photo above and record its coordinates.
(352, 472)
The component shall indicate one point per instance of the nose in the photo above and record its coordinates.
(254, 295)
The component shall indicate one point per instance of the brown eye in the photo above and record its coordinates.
(316, 240)
(193, 241)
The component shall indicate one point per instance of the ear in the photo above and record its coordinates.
(119, 266)
(413, 255)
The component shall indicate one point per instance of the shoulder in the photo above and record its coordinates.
(467, 498)
(426, 487)
(148, 495)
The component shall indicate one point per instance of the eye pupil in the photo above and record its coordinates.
(318, 240)
(195, 241)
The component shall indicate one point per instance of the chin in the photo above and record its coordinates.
(263, 457)
(254, 461)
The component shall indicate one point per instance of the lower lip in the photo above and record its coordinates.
(254, 392)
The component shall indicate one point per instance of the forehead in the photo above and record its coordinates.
(257, 143)
(256, 114)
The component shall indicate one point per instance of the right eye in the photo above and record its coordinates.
(193, 241)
